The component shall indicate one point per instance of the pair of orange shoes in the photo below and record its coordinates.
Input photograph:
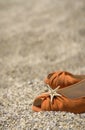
(70, 96)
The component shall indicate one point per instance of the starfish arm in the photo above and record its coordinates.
(51, 96)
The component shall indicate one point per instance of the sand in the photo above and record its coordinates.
(38, 37)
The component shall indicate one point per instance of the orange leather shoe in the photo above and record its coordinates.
(60, 103)
(69, 99)
(62, 79)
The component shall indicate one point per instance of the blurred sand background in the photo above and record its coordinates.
(36, 38)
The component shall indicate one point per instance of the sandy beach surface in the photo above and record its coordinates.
(38, 37)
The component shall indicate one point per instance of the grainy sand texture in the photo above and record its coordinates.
(38, 37)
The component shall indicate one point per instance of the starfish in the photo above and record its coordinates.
(53, 92)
